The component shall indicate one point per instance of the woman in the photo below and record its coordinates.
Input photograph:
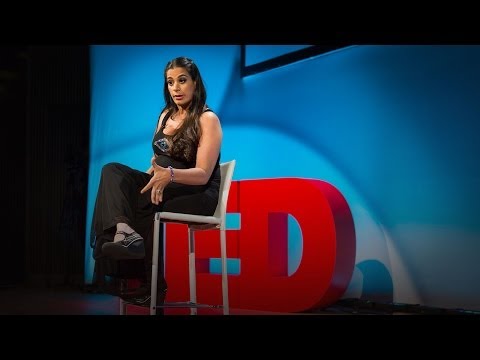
(184, 175)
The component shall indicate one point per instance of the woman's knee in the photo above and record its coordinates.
(111, 167)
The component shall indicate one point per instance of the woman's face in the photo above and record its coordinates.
(181, 86)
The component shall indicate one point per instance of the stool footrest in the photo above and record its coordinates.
(187, 304)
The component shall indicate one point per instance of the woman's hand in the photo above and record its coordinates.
(160, 179)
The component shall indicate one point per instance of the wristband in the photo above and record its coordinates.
(172, 174)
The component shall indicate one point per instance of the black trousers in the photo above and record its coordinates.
(119, 200)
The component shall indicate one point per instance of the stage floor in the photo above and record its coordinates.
(60, 300)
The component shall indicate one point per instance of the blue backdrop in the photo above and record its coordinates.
(394, 128)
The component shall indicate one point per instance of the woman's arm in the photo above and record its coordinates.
(207, 153)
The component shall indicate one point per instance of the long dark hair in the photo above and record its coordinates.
(185, 140)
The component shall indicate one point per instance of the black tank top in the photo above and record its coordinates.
(161, 144)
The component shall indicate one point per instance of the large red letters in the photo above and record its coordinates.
(327, 261)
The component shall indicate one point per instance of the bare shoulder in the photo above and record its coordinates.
(209, 118)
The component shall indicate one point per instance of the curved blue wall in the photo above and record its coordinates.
(394, 128)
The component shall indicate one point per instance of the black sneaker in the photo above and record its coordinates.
(131, 247)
